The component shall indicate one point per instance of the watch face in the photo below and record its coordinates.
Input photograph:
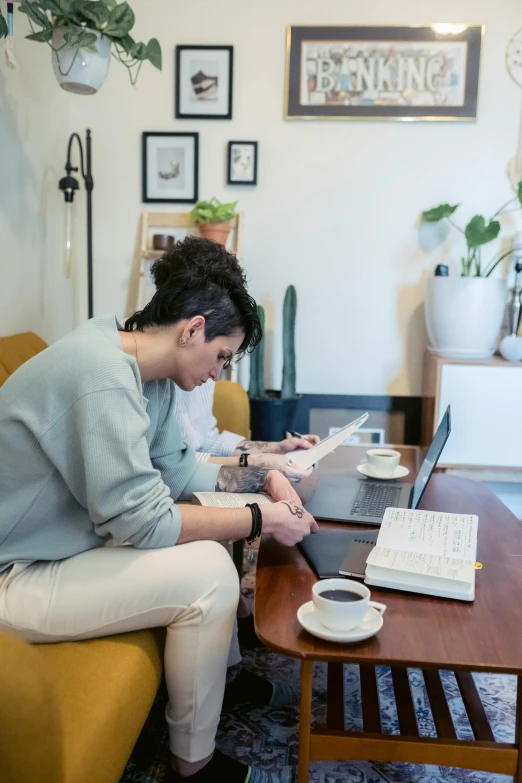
(514, 57)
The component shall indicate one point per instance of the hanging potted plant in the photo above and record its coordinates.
(213, 219)
(273, 413)
(464, 314)
(83, 34)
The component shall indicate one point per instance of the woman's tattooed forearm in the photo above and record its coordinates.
(294, 509)
(252, 445)
(241, 479)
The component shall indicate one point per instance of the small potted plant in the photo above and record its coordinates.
(214, 218)
(273, 413)
(464, 314)
(82, 35)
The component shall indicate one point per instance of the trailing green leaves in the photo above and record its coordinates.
(121, 21)
(36, 14)
(83, 22)
(56, 7)
(43, 36)
(3, 26)
(154, 53)
(92, 11)
(438, 213)
(140, 51)
(80, 38)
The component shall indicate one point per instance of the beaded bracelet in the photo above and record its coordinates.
(257, 522)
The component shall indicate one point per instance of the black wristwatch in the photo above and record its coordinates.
(243, 460)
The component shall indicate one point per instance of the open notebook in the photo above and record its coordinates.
(230, 499)
(425, 552)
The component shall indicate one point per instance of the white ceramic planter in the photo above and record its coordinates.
(80, 70)
(464, 315)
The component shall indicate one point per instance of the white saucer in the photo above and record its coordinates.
(372, 622)
(399, 472)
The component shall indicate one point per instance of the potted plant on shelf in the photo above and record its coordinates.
(464, 314)
(82, 35)
(214, 218)
(273, 413)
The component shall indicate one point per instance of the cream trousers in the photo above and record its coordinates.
(192, 589)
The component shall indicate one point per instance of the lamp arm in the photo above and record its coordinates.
(68, 166)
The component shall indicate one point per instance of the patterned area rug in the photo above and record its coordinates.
(269, 739)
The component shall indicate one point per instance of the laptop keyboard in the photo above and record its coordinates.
(372, 500)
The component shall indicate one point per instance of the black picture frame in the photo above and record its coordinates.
(183, 114)
(192, 192)
(231, 177)
(336, 70)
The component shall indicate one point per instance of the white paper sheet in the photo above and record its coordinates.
(231, 499)
(305, 458)
(427, 542)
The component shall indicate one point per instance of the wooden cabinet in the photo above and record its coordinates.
(486, 406)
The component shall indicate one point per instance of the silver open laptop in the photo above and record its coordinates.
(343, 499)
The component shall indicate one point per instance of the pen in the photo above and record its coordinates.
(295, 434)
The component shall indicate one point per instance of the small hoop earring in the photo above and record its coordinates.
(182, 341)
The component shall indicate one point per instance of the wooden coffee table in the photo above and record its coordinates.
(419, 631)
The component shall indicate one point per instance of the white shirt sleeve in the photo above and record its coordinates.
(199, 427)
(222, 444)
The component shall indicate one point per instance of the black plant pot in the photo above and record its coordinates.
(271, 417)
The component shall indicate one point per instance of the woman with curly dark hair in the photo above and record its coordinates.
(90, 453)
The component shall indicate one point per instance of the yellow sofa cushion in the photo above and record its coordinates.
(104, 689)
(16, 350)
(232, 408)
(30, 731)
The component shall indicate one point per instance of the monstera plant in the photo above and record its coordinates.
(84, 24)
(477, 233)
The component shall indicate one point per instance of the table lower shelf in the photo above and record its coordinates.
(334, 743)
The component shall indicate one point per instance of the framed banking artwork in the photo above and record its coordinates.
(383, 73)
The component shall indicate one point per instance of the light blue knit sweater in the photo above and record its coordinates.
(88, 453)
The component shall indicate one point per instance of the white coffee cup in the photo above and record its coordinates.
(338, 615)
(383, 462)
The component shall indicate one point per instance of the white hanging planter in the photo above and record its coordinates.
(80, 70)
(464, 315)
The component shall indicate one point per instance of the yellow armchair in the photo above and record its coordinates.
(232, 408)
(72, 712)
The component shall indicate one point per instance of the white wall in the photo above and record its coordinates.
(33, 130)
(336, 208)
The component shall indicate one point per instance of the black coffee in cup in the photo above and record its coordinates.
(341, 595)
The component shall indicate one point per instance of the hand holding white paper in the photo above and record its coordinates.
(305, 458)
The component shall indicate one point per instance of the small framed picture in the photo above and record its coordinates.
(204, 82)
(242, 163)
(170, 167)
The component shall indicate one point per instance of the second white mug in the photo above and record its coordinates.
(383, 462)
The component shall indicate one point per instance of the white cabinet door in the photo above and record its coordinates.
(486, 414)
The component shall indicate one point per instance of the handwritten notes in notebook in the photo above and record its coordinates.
(425, 551)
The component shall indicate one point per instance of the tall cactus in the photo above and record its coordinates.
(257, 362)
(289, 313)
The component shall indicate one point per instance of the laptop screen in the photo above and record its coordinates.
(432, 457)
